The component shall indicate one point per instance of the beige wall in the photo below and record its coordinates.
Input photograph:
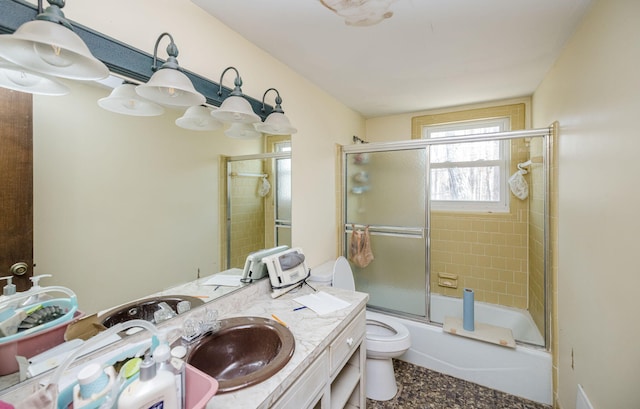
(123, 206)
(398, 127)
(593, 91)
(167, 174)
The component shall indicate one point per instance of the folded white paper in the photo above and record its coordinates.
(322, 303)
(224, 280)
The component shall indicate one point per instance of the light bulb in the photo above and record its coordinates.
(129, 104)
(172, 92)
(52, 54)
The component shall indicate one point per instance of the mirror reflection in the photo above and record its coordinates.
(258, 202)
(125, 207)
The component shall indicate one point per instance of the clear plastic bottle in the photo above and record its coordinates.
(153, 389)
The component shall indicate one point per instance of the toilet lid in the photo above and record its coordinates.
(342, 275)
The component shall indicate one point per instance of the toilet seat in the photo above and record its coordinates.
(389, 335)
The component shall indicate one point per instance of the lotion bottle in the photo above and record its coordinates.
(175, 366)
(153, 389)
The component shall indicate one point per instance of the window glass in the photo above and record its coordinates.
(469, 176)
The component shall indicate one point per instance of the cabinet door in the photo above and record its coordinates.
(306, 391)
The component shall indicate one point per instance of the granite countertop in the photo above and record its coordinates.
(312, 333)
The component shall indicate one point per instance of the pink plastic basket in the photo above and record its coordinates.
(200, 388)
(32, 345)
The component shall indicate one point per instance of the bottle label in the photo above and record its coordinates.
(159, 405)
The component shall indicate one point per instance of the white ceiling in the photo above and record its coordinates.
(429, 54)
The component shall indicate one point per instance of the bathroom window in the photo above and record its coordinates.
(469, 176)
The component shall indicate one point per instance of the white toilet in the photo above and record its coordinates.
(386, 339)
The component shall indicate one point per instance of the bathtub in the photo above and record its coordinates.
(522, 325)
(523, 371)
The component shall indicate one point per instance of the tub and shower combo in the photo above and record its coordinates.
(428, 246)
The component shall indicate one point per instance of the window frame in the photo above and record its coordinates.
(503, 164)
(516, 112)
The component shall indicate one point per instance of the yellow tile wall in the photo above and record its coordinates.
(247, 212)
(487, 251)
(536, 235)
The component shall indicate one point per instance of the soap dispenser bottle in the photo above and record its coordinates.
(153, 389)
(10, 319)
(35, 280)
(9, 289)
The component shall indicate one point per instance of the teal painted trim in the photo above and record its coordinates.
(121, 58)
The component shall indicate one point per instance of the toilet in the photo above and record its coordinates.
(386, 338)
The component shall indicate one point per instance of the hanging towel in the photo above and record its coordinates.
(518, 185)
(360, 252)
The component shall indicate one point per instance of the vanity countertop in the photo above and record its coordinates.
(313, 334)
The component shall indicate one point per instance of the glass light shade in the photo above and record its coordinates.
(360, 13)
(170, 87)
(235, 109)
(239, 130)
(51, 49)
(198, 118)
(20, 79)
(276, 124)
(124, 100)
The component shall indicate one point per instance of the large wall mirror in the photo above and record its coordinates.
(124, 206)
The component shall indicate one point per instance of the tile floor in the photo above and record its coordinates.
(421, 388)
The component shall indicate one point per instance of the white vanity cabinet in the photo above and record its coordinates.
(335, 380)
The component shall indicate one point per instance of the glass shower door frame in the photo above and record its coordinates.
(545, 133)
(385, 230)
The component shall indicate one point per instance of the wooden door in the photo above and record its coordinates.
(16, 184)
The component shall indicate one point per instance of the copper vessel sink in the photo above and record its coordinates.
(244, 352)
(144, 309)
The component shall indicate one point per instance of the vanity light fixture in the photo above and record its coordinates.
(276, 123)
(239, 130)
(235, 108)
(18, 78)
(168, 85)
(124, 100)
(48, 45)
(198, 118)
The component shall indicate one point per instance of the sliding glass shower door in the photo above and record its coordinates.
(435, 230)
(385, 190)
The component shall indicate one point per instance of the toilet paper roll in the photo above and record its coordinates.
(467, 310)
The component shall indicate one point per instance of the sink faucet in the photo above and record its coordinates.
(200, 325)
(163, 313)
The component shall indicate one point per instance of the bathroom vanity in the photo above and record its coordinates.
(327, 367)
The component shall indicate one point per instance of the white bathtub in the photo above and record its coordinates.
(523, 371)
(522, 325)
